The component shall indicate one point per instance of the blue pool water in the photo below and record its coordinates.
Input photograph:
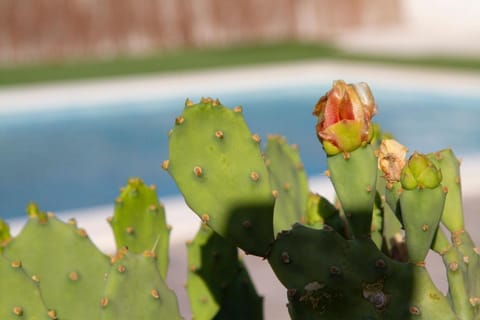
(80, 157)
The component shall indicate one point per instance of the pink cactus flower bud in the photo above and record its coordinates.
(344, 117)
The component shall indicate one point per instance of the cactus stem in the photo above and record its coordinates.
(18, 311)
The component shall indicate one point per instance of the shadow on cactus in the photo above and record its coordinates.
(361, 257)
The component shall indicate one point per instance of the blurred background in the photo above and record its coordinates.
(89, 89)
(124, 36)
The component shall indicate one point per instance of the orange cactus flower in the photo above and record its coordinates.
(344, 117)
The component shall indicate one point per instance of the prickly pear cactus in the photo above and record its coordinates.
(351, 273)
(67, 267)
(135, 289)
(139, 222)
(217, 164)
(218, 284)
(20, 295)
(289, 182)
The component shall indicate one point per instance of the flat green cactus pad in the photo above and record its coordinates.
(135, 289)
(217, 164)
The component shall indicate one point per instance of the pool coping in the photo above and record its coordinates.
(55, 96)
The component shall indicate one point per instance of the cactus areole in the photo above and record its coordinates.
(344, 117)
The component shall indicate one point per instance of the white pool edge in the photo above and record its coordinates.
(90, 93)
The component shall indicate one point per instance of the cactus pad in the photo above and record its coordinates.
(139, 222)
(217, 164)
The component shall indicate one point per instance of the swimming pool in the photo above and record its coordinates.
(75, 157)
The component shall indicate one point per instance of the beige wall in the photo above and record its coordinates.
(32, 30)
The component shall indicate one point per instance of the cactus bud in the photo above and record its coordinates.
(420, 172)
(344, 117)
